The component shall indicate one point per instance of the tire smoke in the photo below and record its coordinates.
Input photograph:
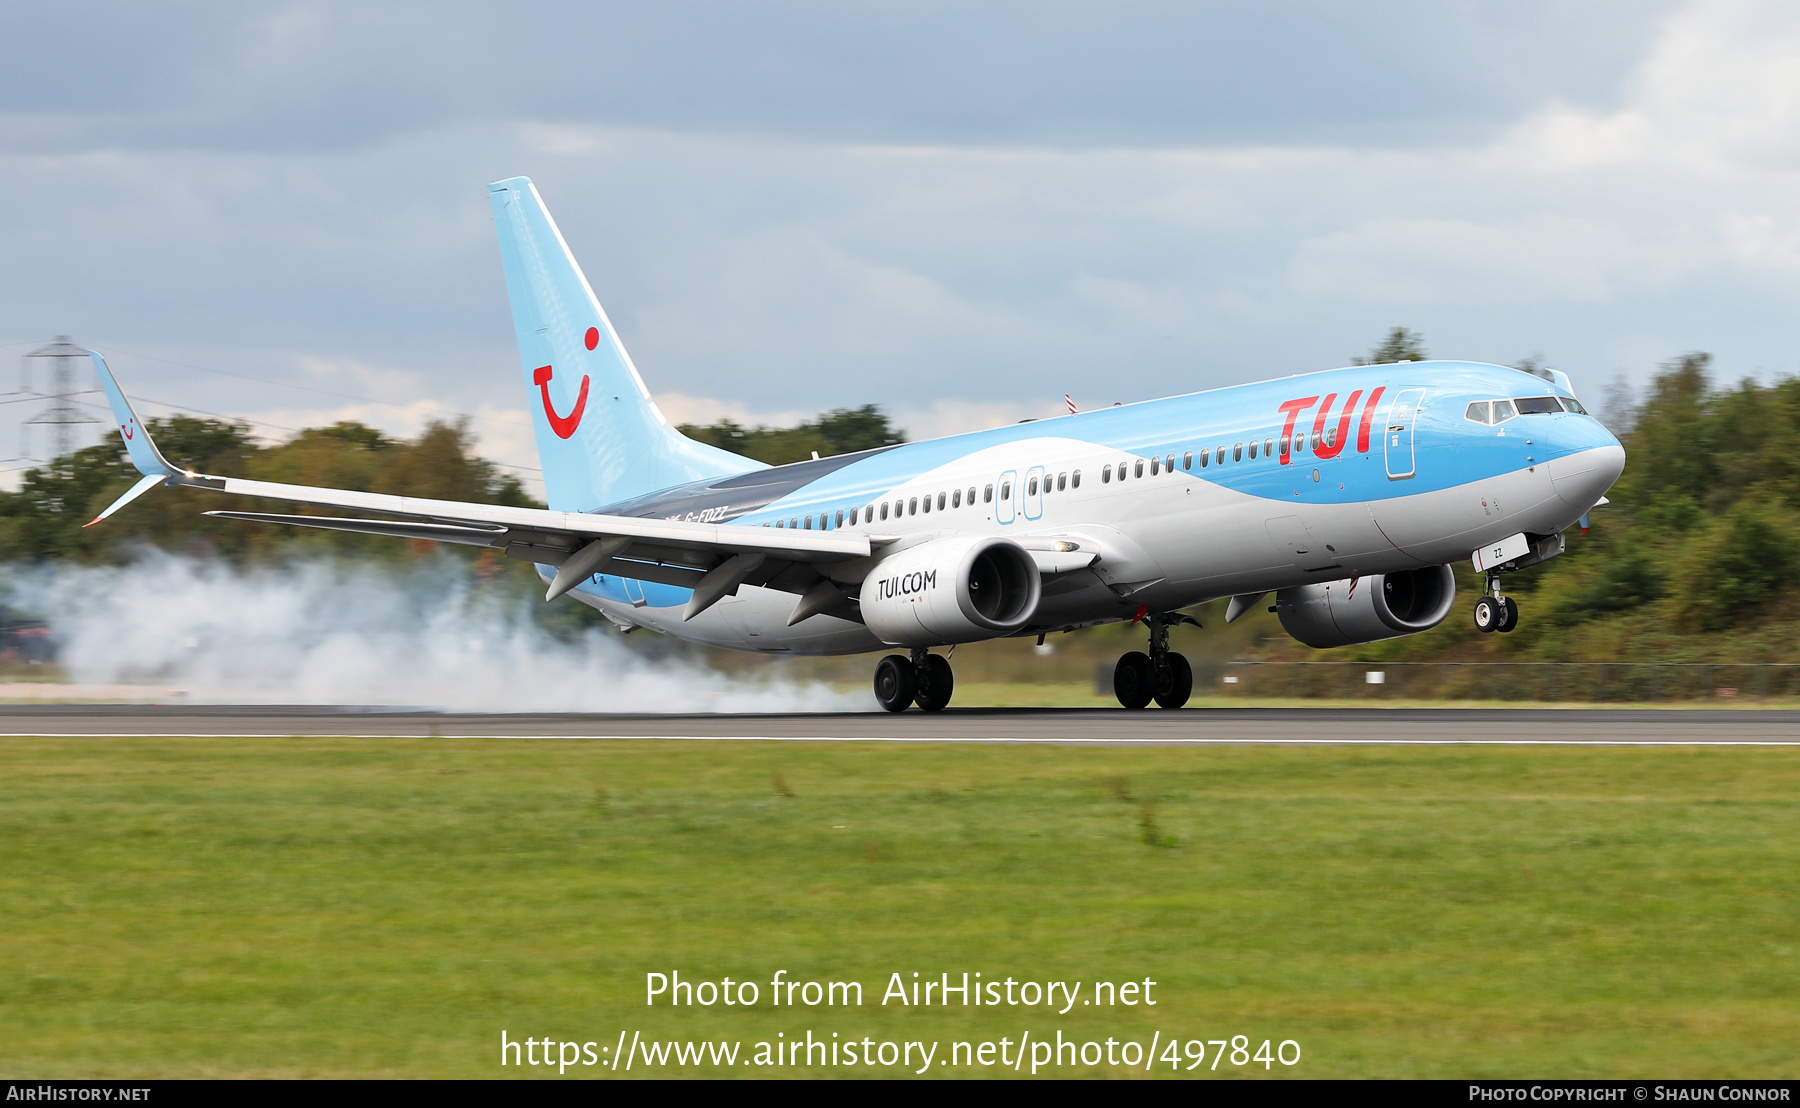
(332, 632)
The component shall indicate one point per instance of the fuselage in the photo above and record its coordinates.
(1247, 489)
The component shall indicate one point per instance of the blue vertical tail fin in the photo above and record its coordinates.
(600, 436)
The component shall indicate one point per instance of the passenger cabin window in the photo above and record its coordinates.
(1187, 460)
(1503, 411)
(912, 507)
(940, 501)
(1062, 481)
(1155, 465)
(1538, 405)
(1121, 471)
(781, 523)
(853, 517)
(884, 509)
(1106, 475)
(808, 524)
(1221, 456)
(1169, 463)
(1075, 479)
(1205, 456)
(971, 496)
(1253, 450)
(1138, 469)
(987, 495)
(1031, 489)
(1269, 448)
(1299, 444)
(1006, 490)
(1478, 412)
(927, 503)
(956, 499)
(1237, 452)
(794, 523)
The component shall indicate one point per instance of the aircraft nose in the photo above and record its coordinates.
(1583, 477)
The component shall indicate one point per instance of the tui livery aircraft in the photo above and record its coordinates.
(1344, 493)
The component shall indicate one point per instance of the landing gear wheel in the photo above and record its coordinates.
(894, 682)
(1487, 615)
(938, 686)
(1509, 615)
(1132, 679)
(1174, 682)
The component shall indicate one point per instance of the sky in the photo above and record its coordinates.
(278, 212)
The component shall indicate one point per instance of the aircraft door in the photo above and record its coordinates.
(1004, 491)
(1034, 492)
(1398, 440)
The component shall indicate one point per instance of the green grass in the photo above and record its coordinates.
(254, 907)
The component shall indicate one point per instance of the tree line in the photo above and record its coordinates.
(1693, 559)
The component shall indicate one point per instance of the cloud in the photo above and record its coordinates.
(839, 234)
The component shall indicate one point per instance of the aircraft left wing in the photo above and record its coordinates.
(711, 559)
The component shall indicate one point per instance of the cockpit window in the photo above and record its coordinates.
(1478, 412)
(1574, 405)
(1503, 411)
(1538, 405)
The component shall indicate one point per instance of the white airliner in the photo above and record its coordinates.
(1345, 493)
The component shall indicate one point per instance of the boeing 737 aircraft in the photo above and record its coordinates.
(1345, 493)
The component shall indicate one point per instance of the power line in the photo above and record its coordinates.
(307, 388)
(186, 410)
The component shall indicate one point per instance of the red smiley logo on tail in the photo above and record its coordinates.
(564, 426)
(127, 428)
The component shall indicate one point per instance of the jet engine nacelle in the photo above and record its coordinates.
(1364, 609)
(951, 590)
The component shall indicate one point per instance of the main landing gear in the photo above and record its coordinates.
(1161, 675)
(924, 679)
(1496, 612)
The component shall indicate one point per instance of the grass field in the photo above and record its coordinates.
(254, 907)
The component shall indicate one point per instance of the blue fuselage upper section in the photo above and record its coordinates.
(1358, 434)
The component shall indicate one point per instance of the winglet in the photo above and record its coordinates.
(144, 485)
(144, 454)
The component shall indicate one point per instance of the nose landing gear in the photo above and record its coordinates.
(1496, 612)
(924, 679)
(1161, 675)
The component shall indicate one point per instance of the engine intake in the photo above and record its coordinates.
(951, 590)
(1367, 609)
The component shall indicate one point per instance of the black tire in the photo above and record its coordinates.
(936, 695)
(1175, 683)
(1487, 615)
(1132, 680)
(1509, 615)
(894, 682)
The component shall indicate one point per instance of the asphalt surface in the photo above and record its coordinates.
(1448, 726)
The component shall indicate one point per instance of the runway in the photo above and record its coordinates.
(1104, 727)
